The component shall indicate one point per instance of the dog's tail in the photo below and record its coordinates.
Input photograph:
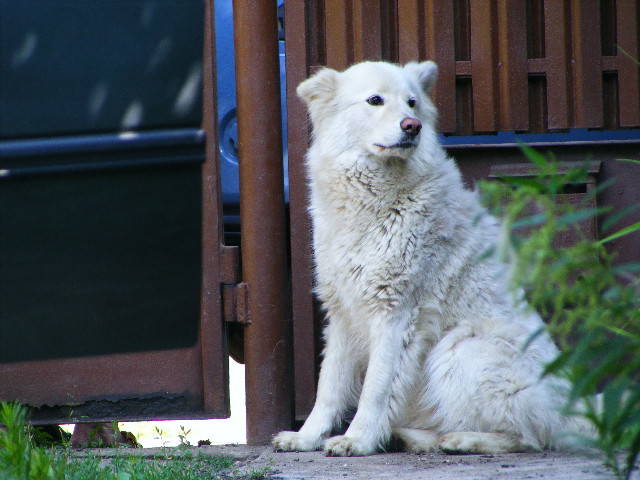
(580, 433)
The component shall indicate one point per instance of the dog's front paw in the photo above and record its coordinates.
(344, 446)
(294, 442)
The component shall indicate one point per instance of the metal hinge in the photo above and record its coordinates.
(235, 294)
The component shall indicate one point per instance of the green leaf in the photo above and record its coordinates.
(533, 337)
(620, 233)
(535, 157)
(558, 364)
(627, 267)
(611, 220)
(579, 216)
(530, 221)
(602, 186)
(628, 160)
(524, 182)
(609, 365)
(627, 54)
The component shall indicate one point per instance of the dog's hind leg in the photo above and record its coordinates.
(416, 440)
(482, 442)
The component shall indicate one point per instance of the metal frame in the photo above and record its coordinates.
(262, 215)
(179, 383)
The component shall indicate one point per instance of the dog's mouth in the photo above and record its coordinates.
(399, 145)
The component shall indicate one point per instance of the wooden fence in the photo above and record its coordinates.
(520, 65)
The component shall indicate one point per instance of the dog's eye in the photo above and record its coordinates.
(411, 102)
(375, 100)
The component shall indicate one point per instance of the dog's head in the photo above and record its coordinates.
(377, 107)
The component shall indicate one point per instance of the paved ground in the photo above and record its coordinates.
(403, 466)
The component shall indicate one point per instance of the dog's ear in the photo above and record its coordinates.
(425, 72)
(320, 86)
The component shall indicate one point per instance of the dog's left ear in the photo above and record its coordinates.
(425, 72)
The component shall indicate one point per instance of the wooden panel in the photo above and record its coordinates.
(302, 308)
(512, 65)
(557, 40)
(535, 28)
(587, 74)
(367, 31)
(389, 30)
(338, 33)
(440, 48)
(537, 104)
(628, 16)
(410, 30)
(483, 62)
(462, 29)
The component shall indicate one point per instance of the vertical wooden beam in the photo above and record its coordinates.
(439, 21)
(512, 65)
(339, 33)
(483, 66)
(367, 30)
(557, 48)
(587, 58)
(298, 58)
(410, 30)
(628, 16)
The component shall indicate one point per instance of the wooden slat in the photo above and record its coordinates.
(367, 31)
(557, 41)
(338, 33)
(535, 28)
(298, 58)
(628, 70)
(512, 65)
(587, 73)
(462, 34)
(439, 23)
(483, 63)
(410, 34)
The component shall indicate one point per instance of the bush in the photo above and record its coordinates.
(592, 306)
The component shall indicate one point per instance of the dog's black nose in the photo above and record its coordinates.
(411, 126)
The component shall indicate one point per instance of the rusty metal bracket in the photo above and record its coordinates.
(230, 264)
(235, 294)
(235, 302)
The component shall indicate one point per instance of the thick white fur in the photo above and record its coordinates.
(423, 337)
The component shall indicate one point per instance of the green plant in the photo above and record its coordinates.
(183, 436)
(592, 305)
(20, 459)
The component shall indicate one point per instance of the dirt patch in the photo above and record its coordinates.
(396, 466)
(403, 466)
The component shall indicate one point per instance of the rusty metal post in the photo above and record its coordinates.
(262, 214)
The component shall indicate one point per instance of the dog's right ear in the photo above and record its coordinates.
(321, 86)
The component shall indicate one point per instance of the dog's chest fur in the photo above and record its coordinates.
(374, 230)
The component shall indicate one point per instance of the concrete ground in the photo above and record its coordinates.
(398, 466)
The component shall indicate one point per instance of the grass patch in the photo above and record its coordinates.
(20, 459)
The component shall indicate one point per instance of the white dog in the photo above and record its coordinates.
(423, 337)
